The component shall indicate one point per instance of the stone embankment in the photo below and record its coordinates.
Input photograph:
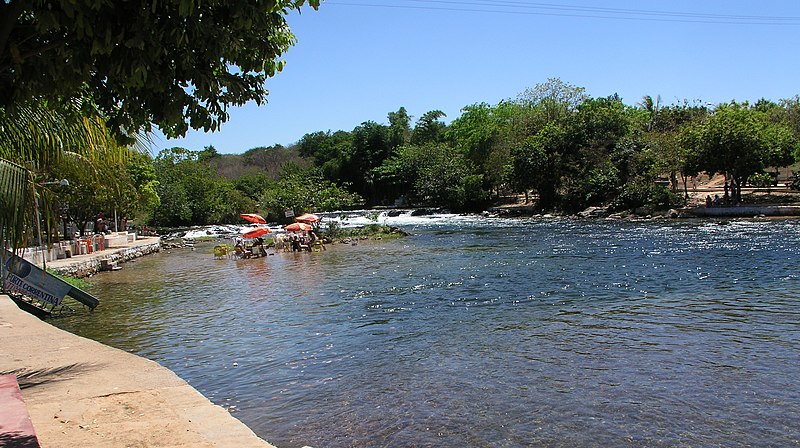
(89, 264)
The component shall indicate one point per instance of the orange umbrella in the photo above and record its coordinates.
(252, 217)
(307, 218)
(297, 227)
(257, 232)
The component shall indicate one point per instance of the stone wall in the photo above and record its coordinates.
(91, 266)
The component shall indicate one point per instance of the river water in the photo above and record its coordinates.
(485, 333)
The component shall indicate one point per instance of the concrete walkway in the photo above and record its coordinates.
(745, 210)
(81, 393)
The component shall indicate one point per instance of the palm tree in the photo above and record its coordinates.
(34, 137)
(652, 108)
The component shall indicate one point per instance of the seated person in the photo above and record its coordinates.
(295, 243)
(259, 244)
(241, 251)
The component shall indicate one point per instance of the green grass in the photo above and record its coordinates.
(79, 283)
(204, 239)
(370, 230)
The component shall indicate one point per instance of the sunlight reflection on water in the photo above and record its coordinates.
(476, 332)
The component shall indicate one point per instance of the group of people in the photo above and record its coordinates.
(101, 225)
(305, 242)
(726, 199)
(256, 249)
(104, 226)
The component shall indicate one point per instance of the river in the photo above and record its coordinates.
(484, 333)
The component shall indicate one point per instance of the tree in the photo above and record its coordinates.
(557, 98)
(652, 108)
(792, 111)
(253, 185)
(482, 133)
(90, 194)
(432, 174)
(329, 151)
(175, 63)
(476, 131)
(740, 141)
(589, 172)
(304, 190)
(370, 147)
(660, 128)
(208, 153)
(126, 186)
(536, 164)
(143, 196)
(399, 127)
(441, 176)
(601, 122)
(192, 192)
(429, 128)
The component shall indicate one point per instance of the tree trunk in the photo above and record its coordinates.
(685, 179)
(736, 189)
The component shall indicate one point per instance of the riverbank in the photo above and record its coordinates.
(83, 393)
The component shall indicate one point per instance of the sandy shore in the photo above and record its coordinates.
(81, 393)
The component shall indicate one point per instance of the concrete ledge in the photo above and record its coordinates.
(90, 264)
(82, 393)
(746, 211)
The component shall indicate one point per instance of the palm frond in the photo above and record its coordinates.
(36, 140)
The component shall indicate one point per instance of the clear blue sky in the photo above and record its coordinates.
(357, 60)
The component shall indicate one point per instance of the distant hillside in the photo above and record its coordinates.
(269, 160)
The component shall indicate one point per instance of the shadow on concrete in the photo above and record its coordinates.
(31, 378)
(17, 440)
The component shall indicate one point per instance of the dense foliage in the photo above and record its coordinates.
(566, 148)
(79, 77)
(554, 143)
(172, 63)
(192, 191)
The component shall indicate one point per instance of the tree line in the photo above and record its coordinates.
(553, 143)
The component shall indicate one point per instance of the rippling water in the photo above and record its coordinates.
(495, 333)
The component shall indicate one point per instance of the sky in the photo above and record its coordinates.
(358, 60)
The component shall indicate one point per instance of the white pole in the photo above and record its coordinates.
(39, 228)
(116, 223)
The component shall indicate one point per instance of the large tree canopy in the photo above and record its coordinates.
(174, 63)
(741, 141)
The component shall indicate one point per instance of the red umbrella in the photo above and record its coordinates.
(257, 232)
(252, 217)
(307, 218)
(297, 227)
